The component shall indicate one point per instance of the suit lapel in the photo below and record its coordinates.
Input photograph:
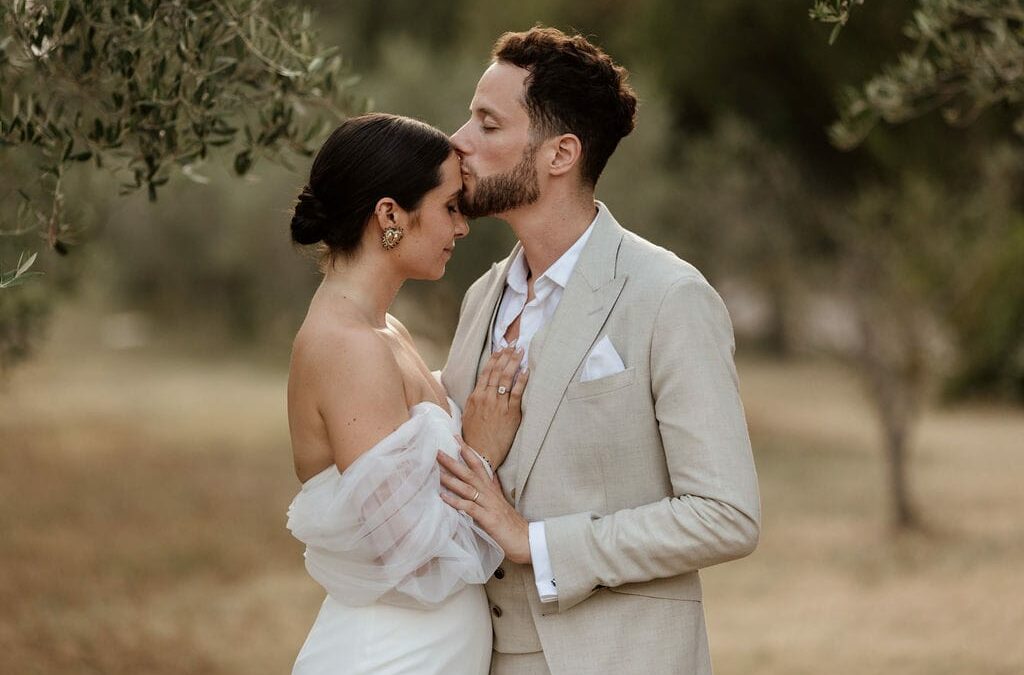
(469, 351)
(589, 296)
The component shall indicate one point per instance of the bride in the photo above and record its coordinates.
(403, 570)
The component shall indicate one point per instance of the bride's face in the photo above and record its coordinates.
(430, 238)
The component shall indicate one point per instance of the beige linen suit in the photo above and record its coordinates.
(641, 477)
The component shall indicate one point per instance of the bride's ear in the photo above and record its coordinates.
(388, 213)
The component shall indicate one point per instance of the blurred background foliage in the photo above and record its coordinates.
(901, 254)
(142, 90)
(731, 166)
(965, 58)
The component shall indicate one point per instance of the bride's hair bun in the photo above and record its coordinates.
(309, 219)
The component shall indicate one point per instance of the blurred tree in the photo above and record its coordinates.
(145, 87)
(750, 223)
(914, 258)
(245, 287)
(750, 99)
(987, 322)
(919, 259)
(967, 57)
(836, 12)
(890, 354)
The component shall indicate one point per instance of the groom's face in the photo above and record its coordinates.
(499, 161)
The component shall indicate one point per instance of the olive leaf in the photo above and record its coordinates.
(20, 272)
(148, 88)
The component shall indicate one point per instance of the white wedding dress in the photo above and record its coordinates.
(403, 570)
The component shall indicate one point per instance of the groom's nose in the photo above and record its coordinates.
(459, 140)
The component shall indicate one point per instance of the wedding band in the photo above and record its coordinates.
(502, 390)
(475, 496)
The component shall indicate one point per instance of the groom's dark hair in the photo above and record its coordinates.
(573, 88)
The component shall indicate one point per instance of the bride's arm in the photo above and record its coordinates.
(381, 530)
(359, 392)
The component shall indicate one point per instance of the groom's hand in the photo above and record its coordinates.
(481, 498)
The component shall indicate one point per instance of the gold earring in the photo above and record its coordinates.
(391, 237)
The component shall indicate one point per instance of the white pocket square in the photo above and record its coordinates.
(602, 361)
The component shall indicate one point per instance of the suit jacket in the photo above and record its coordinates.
(642, 477)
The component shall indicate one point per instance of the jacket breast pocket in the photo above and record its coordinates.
(602, 385)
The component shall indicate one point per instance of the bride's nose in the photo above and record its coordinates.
(461, 226)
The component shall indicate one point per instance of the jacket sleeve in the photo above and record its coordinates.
(714, 515)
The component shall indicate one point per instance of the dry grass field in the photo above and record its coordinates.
(142, 511)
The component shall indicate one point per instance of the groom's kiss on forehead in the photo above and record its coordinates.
(576, 499)
(499, 159)
(537, 128)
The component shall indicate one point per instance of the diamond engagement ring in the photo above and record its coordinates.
(502, 390)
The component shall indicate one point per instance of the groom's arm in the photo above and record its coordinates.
(715, 513)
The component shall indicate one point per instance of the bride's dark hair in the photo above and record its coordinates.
(364, 160)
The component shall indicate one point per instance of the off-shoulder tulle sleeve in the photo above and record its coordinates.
(380, 532)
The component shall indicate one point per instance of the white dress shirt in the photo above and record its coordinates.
(547, 290)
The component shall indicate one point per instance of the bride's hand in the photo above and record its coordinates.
(494, 409)
(481, 498)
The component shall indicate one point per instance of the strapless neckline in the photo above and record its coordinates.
(437, 405)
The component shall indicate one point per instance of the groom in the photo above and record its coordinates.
(632, 468)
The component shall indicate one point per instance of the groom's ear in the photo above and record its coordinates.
(568, 150)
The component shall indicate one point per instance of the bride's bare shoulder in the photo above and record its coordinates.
(340, 347)
(344, 376)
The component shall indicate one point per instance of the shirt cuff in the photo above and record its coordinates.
(542, 563)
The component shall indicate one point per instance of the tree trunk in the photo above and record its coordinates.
(891, 364)
(902, 513)
(777, 337)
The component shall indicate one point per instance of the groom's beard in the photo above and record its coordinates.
(506, 191)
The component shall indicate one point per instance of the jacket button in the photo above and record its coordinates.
(499, 573)
(496, 611)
